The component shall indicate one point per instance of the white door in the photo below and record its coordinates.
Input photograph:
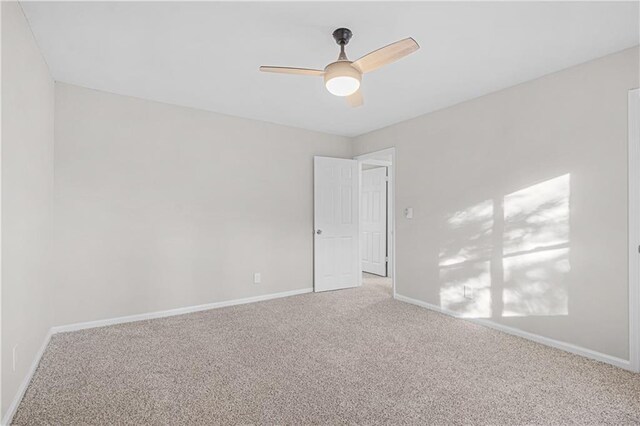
(374, 221)
(336, 257)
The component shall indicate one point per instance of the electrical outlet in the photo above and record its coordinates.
(257, 279)
(14, 353)
(468, 292)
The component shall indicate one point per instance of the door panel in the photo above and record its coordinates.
(374, 221)
(336, 263)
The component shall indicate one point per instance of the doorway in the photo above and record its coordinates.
(376, 197)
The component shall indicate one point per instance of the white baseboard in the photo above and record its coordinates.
(131, 318)
(177, 311)
(25, 383)
(568, 347)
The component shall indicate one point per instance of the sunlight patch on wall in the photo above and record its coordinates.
(469, 234)
(466, 288)
(537, 216)
(509, 256)
(464, 261)
(536, 249)
(535, 284)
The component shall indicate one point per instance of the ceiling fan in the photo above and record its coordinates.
(343, 77)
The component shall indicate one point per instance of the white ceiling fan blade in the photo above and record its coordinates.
(386, 55)
(355, 100)
(290, 70)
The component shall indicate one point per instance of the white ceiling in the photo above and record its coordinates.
(206, 55)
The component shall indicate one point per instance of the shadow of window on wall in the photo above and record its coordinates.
(509, 256)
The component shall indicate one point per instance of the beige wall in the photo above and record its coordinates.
(521, 195)
(159, 206)
(27, 198)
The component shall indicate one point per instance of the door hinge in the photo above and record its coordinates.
(386, 178)
(386, 259)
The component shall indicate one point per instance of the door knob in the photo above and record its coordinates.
(319, 231)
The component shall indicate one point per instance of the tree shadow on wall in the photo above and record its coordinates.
(508, 256)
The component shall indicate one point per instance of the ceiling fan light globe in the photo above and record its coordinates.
(342, 85)
(341, 79)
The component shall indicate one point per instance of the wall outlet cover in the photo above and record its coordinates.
(468, 292)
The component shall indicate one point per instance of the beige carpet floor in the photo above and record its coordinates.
(342, 357)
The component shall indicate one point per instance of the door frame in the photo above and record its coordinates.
(634, 228)
(370, 158)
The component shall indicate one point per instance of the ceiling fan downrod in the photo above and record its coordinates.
(342, 37)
